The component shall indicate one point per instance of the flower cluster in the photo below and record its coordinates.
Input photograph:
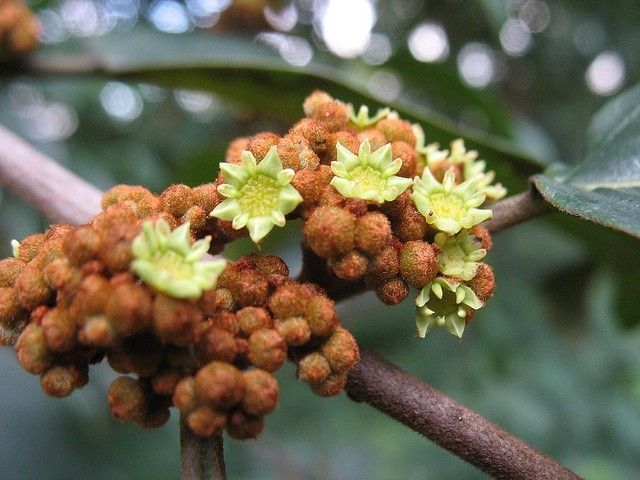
(19, 28)
(204, 336)
(135, 286)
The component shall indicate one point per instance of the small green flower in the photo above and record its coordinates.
(427, 154)
(259, 195)
(444, 303)
(15, 248)
(472, 168)
(447, 206)
(165, 260)
(362, 120)
(369, 176)
(459, 254)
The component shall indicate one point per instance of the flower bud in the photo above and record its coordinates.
(216, 344)
(184, 395)
(127, 399)
(418, 263)
(242, 426)
(59, 330)
(267, 349)
(294, 330)
(10, 268)
(251, 319)
(260, 143)
(351, 266)
(30, 247)
(341, 350)
(407, 153)
(261, 392)
(372, 233)
(58, 381)
(393, 291)
(220, 383)
(81, 245)
(206, 422)
(330, 231)
(33, 354)
(383, 266)
(484, 283)
(32, 289)
(176, 200)
(314, 131)
(174, 320)
(320, 314)
(397, 130)
(294, 152)
(11, 311)
(129, 308)
(288, 301)
(332, 385)
(314, 368)
(249, 288)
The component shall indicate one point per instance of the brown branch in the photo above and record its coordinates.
(59, 194)
(202, 458)
(447, 423)
(516, 209)
(374, 380)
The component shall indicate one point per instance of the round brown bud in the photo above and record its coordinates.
(261, 143)
(32, 289)
(220, 383)
(61, 275)
(482, 236)
(411, 225)
(341, 350)
(129, 308)
(375, 137)
(270, 265)
(81, 245)
(314, 101)
(330, 231)
(334, 114)
(32, 351)
(242, 426)
(351, 266)
(176, 200)
(484, 283)
(58, 381)
(206, 196)
(294, 152)
(91, 298)
(196, 216)
(30, 247)
(320, 314)
(98, 331)
(407, 153)
(397, 130)
(438, 170)
(418, 263)
(11, 311)
(175, 320)
(226, 321)
(251, 319)
(140, 354)
(10, 268)
(294, 330)
(216, 344)
(373, 233)
(206, 422)
(59, 330)
(332, 385)
(315, 132)
(288, 301)
(393, 291)
(267, 349)
(127, 399)
(383, 266)
(314, 368)
(235, 149)
(184, 395)
(261, 392)
(249, 288)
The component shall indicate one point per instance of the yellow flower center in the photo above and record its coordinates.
(173, 264)
(443, 306)
(446, 205)
(368, 179)
(259, 196)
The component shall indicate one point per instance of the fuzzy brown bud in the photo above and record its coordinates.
(397, 130)
(81, 245)
(10, 268)
(58, 381)
(175, 320)
(251, 319)
(206, 422)
(267, 349)
(296, 153)
(314, 101)
(351, 266)
(216, 344)
(288, 301)
(484, 283)
(59, 330)
(32, 289)
(383, 266)
(129, 308)
(418, 263)
(407, 153)
(30, 247)
(176, 200)
(184, 395)
(330, 231)
(332, 385)
(220, 383)
(315, 132)
(249, 288)
(260, 143)
(314, 368)
(242, 426)
(33, 354)
(261, 392)
(127, 399)
(294, 330)
(393, 291)
(11, 311)
(320, 314)
(372, 233)
(341, 350)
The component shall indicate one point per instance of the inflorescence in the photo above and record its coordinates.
(136, 286)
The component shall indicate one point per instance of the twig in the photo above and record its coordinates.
(59, 194)
(202, 459)
(516, 209)
(449, 424)
(374, 381)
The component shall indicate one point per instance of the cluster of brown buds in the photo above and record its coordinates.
(138, 287)
(19, 29)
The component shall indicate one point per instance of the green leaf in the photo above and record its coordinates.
(605, 187)
(252, 74)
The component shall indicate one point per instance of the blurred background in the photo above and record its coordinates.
(553, 358)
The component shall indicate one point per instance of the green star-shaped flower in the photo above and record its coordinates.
(259, 195)
(472, 168)
(369, 176)
(447, 206)
(168, 262)
(362, 120)
(459, 254)
(444, 303)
